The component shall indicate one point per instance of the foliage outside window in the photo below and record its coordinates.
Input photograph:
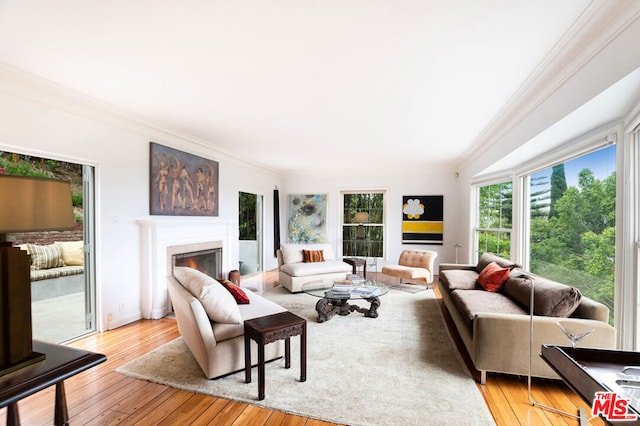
(363, 239)
(247, 217)
(572, 224)
(493, 230)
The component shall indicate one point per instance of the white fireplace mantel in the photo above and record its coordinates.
(156, 238)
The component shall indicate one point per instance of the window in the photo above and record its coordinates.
(363, 224)
(493, 223)
(573, 224)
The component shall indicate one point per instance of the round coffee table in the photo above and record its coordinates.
(334, 300)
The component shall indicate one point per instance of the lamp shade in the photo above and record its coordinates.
(34, 204)
(361, 217)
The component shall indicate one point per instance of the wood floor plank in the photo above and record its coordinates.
(493, 395)
(293, 420)
(253, 416)
(212, 411)
(229, 413)
(159, 410)
(275, 419)
(190, 411)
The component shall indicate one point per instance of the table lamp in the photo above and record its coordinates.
(360, 218)
(27, 204)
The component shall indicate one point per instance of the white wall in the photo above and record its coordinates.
(396, 183)
(40, 120)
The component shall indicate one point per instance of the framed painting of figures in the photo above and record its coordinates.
(182, 184)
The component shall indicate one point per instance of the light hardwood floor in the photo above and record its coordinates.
(102, 397)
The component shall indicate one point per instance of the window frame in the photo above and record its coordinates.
(476, 229)
(383, 225)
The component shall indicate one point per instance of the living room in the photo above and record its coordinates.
(45, 117)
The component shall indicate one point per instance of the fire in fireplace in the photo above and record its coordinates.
(206, 261)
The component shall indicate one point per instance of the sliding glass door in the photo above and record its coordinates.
(250, 230)
(63, 300)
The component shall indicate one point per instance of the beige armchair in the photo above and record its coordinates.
(415, 265)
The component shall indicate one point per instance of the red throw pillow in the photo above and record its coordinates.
(237, 293)
(493, 277)
(313, 255)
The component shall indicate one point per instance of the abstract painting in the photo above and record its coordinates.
(182, 184)
(422, 219)
(307, 218)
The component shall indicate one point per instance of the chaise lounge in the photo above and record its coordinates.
(416, 265)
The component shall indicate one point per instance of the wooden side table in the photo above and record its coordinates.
(355, 263)
(61, 363)
(268, 329)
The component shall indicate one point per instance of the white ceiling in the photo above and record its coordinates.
(296, 84)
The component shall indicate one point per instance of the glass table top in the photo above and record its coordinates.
(329, 289)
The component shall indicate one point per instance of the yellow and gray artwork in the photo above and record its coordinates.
(422, 219)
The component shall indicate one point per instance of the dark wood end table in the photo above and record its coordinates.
(355, 263)
(268, 329)
(61, 363)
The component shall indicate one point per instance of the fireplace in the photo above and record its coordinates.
(208, 261)
(161, 240)
(204, 256)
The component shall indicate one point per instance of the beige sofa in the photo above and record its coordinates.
(494, 326)
(219, 347)
(293, 271)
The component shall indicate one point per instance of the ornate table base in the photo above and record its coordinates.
(328, 307)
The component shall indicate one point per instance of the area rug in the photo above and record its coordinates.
(399, 368)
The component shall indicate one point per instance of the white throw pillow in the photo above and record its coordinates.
(218, 303)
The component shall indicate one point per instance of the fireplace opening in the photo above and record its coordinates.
(207, 261)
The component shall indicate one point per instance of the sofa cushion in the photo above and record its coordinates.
(311, 256)
(259, 307)
(72, 252)
(459, 279)
(217, 302)
(472, 302)
(292, 253)
(306, 269)
(551, 298)
(238, 294)
(487, 258)
(61, 271)
(45, 257)
(492, 277)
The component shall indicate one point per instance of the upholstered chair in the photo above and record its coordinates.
(415, 265)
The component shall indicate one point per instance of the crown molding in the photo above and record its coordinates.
(600, 23)
(45, 92)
